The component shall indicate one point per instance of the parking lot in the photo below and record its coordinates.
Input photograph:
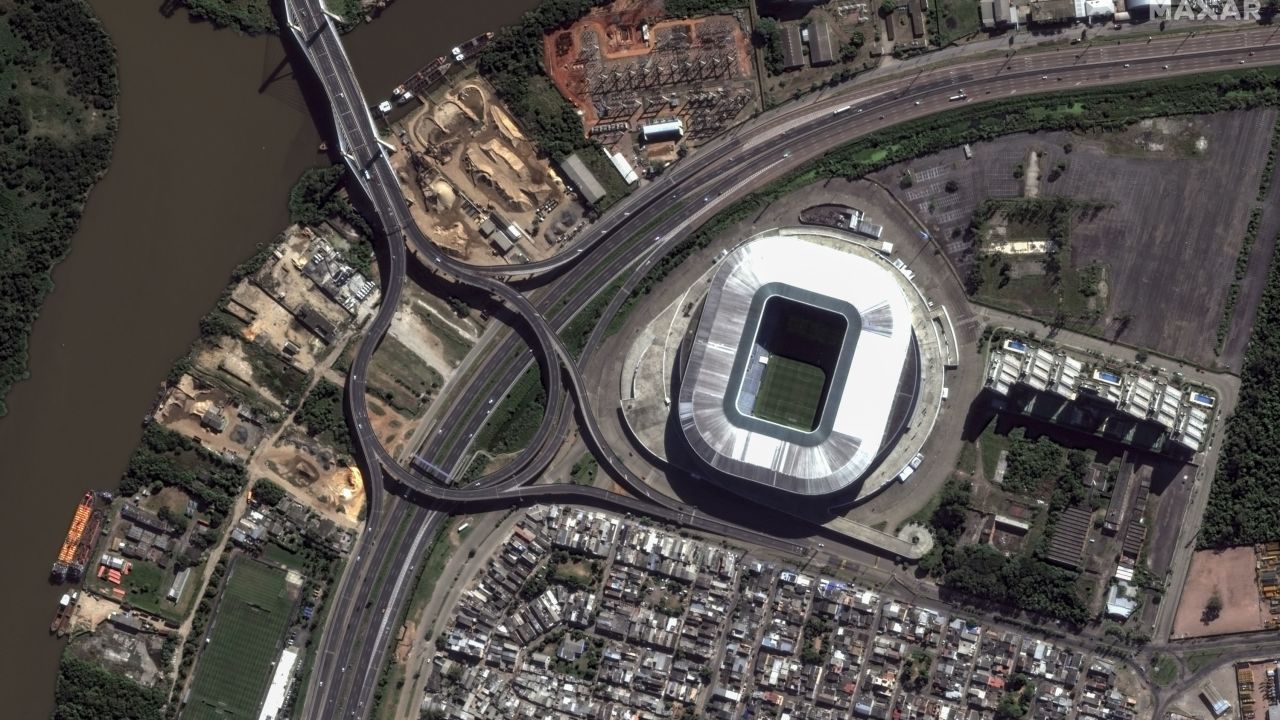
(1169, 237)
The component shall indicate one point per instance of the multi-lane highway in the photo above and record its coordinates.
(371, 596)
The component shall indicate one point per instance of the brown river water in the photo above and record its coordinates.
(213, 132)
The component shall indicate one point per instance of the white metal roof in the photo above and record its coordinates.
(831, 268)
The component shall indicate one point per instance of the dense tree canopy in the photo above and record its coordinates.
(512, 63)
(166, 458)
(693, 8)
(57, 127)
(1245, 500)
(317, 196)
(1032, 462)
(88, 692)
(268, 493)
(1022, 582)
(321, 414)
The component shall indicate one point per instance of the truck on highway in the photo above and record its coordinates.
(839, 110)
(958, 97)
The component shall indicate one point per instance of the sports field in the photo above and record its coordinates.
(790, 393)
(235, 666)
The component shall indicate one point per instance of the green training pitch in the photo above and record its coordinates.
(235, 666)
(790, 393)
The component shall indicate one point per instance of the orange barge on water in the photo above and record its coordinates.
(76, 546)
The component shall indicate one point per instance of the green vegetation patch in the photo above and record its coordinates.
(248, 16)
(1025, 581)
(268, 493)
(1032, 463)
(437, 557)
(694, 8)
(1164, 671)
(512, 63)
(254, 17)
(1053, 290)
(578, 331)
(87, 691)
(992, 444)
(968, 460)
(454, 345)
(584, 471)
(57, 128)
(317, 196)
(166, 458)
(515, 420)
(955, 19)
(1242, 269)
(1198, 661)
(402, 378)
(790, 393)
(1245, 497)
(1022, 582)
(235, 666)
(275, 375)
(321, 414)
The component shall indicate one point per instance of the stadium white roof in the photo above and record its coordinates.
(858, 414)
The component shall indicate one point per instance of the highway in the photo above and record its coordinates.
(369, 600)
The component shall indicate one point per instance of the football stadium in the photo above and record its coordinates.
(803, 369)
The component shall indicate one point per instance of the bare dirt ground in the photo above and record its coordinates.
(228, 361)
(1162, 250)
(389, 426)
(331, 489)
(274, 322)
(409, 329)
(614, 76)
(1190, 704)
(1230, 573)
(91, 610)
(185, 404)
(468, 161)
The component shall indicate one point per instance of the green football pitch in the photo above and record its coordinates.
(235, 667)
(790, 393)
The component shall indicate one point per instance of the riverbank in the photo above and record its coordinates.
(58, 137)
(255, 17)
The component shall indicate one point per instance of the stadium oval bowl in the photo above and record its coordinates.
(805, 367)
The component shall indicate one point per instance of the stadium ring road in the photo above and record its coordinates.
(396, 276)
(393, 212)
(549, 342)
(922, 88)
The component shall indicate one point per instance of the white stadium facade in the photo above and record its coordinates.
(804, 369)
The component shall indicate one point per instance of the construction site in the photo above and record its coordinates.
(623, 67)
(476, 184)
(211, 416)
(289, 315)
(1268, 565)
(329, 485)
(1257, 686)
